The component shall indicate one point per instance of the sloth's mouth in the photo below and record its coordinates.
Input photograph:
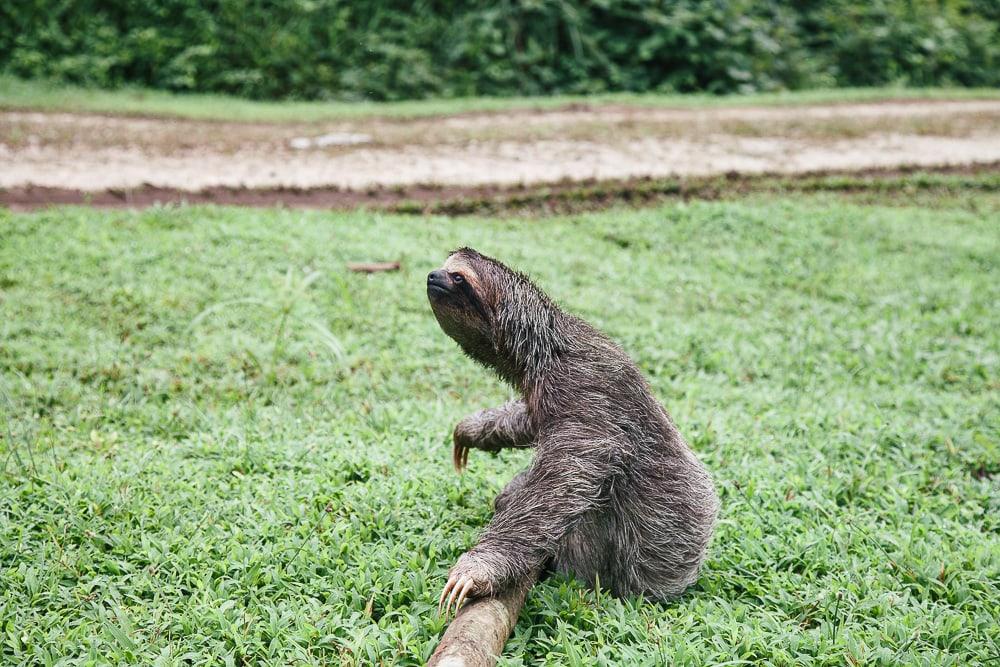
(436, 290)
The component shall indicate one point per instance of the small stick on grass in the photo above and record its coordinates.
(476, 636)
(372, 267)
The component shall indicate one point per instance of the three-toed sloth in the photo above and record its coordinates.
(613, 495)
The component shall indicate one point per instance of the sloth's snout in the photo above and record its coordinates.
(438, 282)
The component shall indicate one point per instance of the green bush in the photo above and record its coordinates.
(917, 43)
(388, 50)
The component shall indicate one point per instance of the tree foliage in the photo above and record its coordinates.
(389, 50)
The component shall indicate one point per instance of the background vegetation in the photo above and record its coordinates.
(392, 50)
(45, 95)
(220, 447)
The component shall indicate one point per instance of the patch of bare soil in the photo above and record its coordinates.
(886, 185)
(93, 153)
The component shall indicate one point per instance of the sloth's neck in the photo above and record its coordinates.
(529, 339)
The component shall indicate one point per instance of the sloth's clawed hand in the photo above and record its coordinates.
(462, 442)
(460, 452)
(468, 579)
(464, 439)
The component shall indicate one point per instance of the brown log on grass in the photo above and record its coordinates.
(478, 632)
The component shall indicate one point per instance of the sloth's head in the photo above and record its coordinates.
(494, 313)
(465, 294)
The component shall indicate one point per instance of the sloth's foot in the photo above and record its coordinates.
(466, 579)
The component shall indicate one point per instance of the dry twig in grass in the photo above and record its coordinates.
(373, 267)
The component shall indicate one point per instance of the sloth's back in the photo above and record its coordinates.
(651, 535)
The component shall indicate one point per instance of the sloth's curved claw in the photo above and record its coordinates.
(447, 587)
(461, 583)
(459, 457)
(464, 592)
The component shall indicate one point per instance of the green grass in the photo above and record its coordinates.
(40, 95)
(220, 447)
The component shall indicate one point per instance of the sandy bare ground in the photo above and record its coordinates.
(92, 152)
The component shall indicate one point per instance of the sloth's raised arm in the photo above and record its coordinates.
(492, 430)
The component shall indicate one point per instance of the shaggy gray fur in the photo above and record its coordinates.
(614, 495)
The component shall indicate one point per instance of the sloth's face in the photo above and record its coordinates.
(460, 299)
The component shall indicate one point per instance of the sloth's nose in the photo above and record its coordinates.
(438, 278)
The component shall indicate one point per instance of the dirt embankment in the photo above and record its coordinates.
(78, 154)
(909, 184)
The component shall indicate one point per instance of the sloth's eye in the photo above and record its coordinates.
(457, 278)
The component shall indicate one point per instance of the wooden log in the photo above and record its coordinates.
(476, 636)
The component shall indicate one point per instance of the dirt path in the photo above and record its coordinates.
(94, 153)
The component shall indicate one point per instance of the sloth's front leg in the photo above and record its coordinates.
(492, 430)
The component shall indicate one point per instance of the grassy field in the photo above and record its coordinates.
(39, 95)
(221, 447)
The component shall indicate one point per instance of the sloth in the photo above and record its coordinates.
(614, 496)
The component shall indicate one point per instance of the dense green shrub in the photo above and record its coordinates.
(386, 49)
